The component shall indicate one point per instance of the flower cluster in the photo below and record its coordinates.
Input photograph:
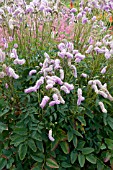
(101, 90)
(49, 68)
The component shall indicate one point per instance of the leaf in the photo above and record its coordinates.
(110, 124)
(75, 141)
(86, 151)
(80, 145)
(3, 127)
(70, 135)
(82, 120)
(66, 165)
(3, 163)
(100, 165)
(81, 160)
(32, 145)
(105, 118)
(91, 159)
(103, 146)
(36, 158)
(54, 144)
(2, 113)
(110, 119)
(73, 156)
(21, 131)
(40, 146)
(18, 140)
(65, 147)
(22, 151)
(52, 163)
(78, 133)
(36, 136)
(89, 114)
(109, 143)
(36, 168)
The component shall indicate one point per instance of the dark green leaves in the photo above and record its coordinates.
(20, 131)
(110, 122)
(81, 160)
(109, 143)
(86, 151)
(22, 151)
(3, 127)
(70, 135)
(73, 156)
(91, 159)
(3, 163)
(32, 145)
(82, 120)
(52, 163)
(75, 141)
(65, 147)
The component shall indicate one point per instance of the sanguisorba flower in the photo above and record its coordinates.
(50, 136)
(102, 107)
(103, 71)
(32, 72)
(2, 56)
(11, 73)
(44, 101)
(80, 97)
(19, 61)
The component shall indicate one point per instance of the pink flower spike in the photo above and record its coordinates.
(103, 70)
(30, 89)
(55, 96)
(49, 86)
(84, 75)
(11, 73)
(74, 70)
(50, 136)
(57, 80)
(44, 101)
(69, 55)
(39, 82)
(65, 89)
(32, 72)
(52, 103)
(6, 86)
(69, 86)
(61, 46)
(19, 61)
(80, 97)
(61, 74)
(61, 54)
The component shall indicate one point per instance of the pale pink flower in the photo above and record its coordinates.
(80, 97)
(50, 136)
(102, 93)
(69, 86)
(84, 75)
(30, 89)
(11, 73)
(65, 89)
(74, 70)
(49, 86)
(19, 61)
(44, 101)
(32, 72)
(102, 107)
(2, 56)
(61, 74)
(103, 70)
